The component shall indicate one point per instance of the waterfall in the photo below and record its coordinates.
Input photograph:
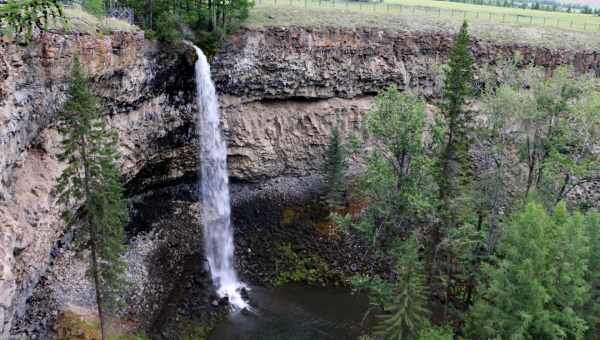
(214, 188)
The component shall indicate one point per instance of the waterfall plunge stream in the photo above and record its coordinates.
(214, 188)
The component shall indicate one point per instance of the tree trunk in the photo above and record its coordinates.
(211, 7)
(149, 13)
(531, 163)
(401, 159)
(563, 188)
(93, 239)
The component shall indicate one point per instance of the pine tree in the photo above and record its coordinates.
(454, 160)
(333, 170)
(539, 283)
(91, 180)
(402, 304)
(591, 309)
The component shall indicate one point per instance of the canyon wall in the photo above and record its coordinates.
(283, 90)
(33, 84)
(318, 63)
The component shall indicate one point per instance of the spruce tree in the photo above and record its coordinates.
(453, 168)
(454, 160)
(400, 304)
(591, 309)
(406, 313)
(333, 170)
(539, 282)
(91, 181)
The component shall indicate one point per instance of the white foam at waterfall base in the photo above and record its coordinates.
(214, 189)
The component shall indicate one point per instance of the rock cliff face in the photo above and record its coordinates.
(286, 138)
(297, 62)
(33, 81)
(284, 89)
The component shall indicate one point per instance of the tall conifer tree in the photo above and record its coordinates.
(91, 181)
(453, 168)
(333, 170)
(540, 280)
(454, 160)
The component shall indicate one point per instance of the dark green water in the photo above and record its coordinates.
(297, 313)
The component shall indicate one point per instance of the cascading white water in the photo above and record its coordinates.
(214, 188)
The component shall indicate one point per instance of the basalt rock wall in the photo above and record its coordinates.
(285, 88)
(316, 63)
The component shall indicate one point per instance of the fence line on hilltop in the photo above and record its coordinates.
(506, 18)
(121, 13)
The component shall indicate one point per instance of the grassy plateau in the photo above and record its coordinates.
(505, 25)
(78, 20)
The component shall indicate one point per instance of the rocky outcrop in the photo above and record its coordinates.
(269, 139)
(285, 88)
(299, 62)
(34, 80)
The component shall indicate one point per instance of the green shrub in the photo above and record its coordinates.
(168, 28)
(19, 19)
(95, 7)
(208, 41)
(196, 331)
(291, 266)
(436, 333)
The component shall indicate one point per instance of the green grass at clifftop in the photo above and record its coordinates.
(288, 13)
(579, 19)
(78, 20)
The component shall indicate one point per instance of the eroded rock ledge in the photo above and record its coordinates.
(326, 62)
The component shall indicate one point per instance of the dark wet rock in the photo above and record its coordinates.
(224, 301)
(244, 294)
(289, 211)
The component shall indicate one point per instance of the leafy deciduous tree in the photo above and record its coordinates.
(398, 179)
